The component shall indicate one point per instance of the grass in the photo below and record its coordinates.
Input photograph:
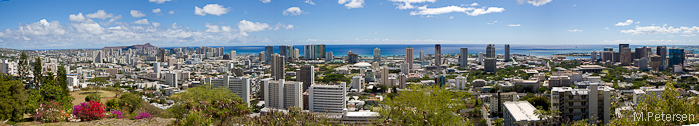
(80, 95)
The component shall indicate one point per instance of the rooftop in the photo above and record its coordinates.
(521, 111)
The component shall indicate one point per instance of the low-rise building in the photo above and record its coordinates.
(519, 113)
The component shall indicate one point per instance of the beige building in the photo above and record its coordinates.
(505, 97)
(576, 104)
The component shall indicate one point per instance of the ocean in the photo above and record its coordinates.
(447, 49)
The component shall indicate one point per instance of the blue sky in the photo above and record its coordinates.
(50, 24)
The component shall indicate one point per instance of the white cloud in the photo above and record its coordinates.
(100, 14)
(293, 11)
(474, 4)
(352, 3)
(156, 24)
(159, 1)
(492, 22)
(407, 4)
(41, 28)
(606, 27)
(280, 25)
(648, 30)
(89, 27)
(514, 25)
(247, 26)
(137, 14)
(266, 1)
(451, 17)
(141, 22)
(534, 2)
(638, 22)
(213, 9)
(440, 10)
(174, 25)
(575, 30)
(628, 22)
(171, 12)
(76, 18)
(216, 28)
(156, 10)
(309, 2)
(481, 11)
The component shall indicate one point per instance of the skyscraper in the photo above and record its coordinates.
(277, 68)
(287, 51)
(593, 56)
(626, 57)
(233, 55)
(377, 54)
(662, 53)
(409, 57)
(438, 55)
(171, 79)
(490, 51)
(327, 98)
(314, 51)
(384, 74)
(422, 55)
(622, 46)
(507, 53)
(280, 94)
(156, 67)
(329, 56)
(463, 58)
(307, 76)
(352, 57)
(268, 53)
(676, 56)
(490, 65)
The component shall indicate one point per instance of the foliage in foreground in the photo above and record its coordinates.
(206, 105)
(430, 105)
(13, 99)
(669, 102)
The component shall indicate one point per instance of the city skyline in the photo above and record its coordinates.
(166, 23)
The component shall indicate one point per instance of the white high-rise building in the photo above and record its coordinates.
(156, 67)
(405, 68)
(327, 98)
(283, 94)
(233, 55)
(72, 81)
(357, 82)
(329, 56)
(377, 55)
(460, 83)
(171, 79)
(240, 86)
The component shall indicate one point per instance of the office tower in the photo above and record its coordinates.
(643, 64)
(623, 46)
(296, 54)
(319, 51)
(422, 55)
(314, 51)
(269, 50)
(490, 65)
(277, 68)
(639, 53)
(98, 56)
(171, 62)
(233, 55)
(377, 54)
(306, 75)
(327, 98)
(607, 56)
(240, 86)
(507, 53)
(463, 58)
(352, 57)
(490, 51)
(369, 74)
(593, 56)
(626, 57)
(438, 55)
(280, 94)
(676, 57)
(616, 57)
(171, 79)
(608, 49)
(156, 67)
(480, 58)
(460, 83)
(329, 56)
(440, 80)
(655, 63)
(404, 68)
(287, 51)
(593, 101)
(261, 56)
(662, 52)
(402, 79)
(384, 74)
(409, 57)
(357, 82)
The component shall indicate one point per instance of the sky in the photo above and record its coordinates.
(71, 24)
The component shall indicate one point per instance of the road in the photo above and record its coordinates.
(485, 115)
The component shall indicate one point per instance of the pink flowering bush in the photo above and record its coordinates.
(51, 111)
(142, 115)
(87, 111)
(117, 114)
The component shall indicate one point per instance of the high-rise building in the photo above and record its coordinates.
(638, 53)
(576, 104)
(643, 64)
(306, 75)
(607, 56)
(519, 113)
(8, 67)
(655, 63)
(161, 55)
(314, 51)
(623, 46)
(329, 56)
(98, 56)
(384, 74)
(296, 54)
(438, 55)
(156, 67)
(240, 86)
(357, 82)
(490, 65)
(593, 56)
(676, 56)
(422, 55)
(507, 53)
(377, 54)
(480, 58)
(409, 57)
(261, 56)
(233, 55)
(327, 98)
(282, 94)
(662, 52)
(617, 57)
(463, 58)
(608, 49)
(490, 51)
(352, 57)
(288, 52)
(626, 57)
(404, 68)
(171, 79)
(277, 67)
(269, 50)
(460, 83)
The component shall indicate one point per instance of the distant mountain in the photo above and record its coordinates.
(144, 46)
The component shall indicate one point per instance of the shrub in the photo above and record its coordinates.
(50, 112)
(117, 114)
(195, 119)
(93, 97)
(130, 102)
(87, 111)
(113, 104)
(142, 115)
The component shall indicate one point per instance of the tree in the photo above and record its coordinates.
(669, 102)
(13, 97)
(98, 82)
(37, 73)
(23, 69)
(429, 105)
(548, 117)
